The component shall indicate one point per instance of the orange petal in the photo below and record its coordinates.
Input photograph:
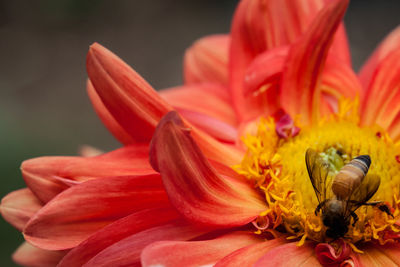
(108, 120)
(133, 103)
(28, 255)
(300, 92)
(381, 103)
(207, 60)
(127, 251)
(48, 176)
(388, 255)
(75, 214)
(117, 231)
(194, 187)
(195, 253)
(388, 45)
(19, 206)
(249, 255)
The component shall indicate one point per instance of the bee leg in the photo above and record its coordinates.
(319, 207)
(382, 206)
(355, 218)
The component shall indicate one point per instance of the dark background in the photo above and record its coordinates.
(44, 109)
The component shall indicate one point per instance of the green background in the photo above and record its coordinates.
(44, 109)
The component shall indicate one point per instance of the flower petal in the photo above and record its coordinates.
(133, 103)
(289, 255)
(193, 186)
(115, 232)
(48, 176)
(28, 255)
(19, 206)
(300, 92)
(195, 253)
(108, 120)
(75, 214)
(127, 251)
(388, 45)
(207, 60)
(381, 105)
(247, 256)
(374, 255)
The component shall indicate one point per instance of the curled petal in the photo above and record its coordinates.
(127, 251)
(133, 103)
(108, 120)
(285, 127)
(117, 231)
(327, 255)
(289, 255)
(48, 176)
(195, 253)
(389, 44)
(300, 92)
(247, 256)
(193, 185)
(19, 206)
(75, 214)
(30, 256)
(207, 60)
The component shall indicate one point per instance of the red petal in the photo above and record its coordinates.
(247, 256)
(195, 253)
(207, 60)
(300, 92)
(389, 44)
(133, 103)
(262, 25)
(19, 206)
(127, 251)
(28, 255)
(75, 214)
(193, 186)
(48, 176)
(108, 120)
(381, 105)
(327, 255)
(117, 231)
(289, 255)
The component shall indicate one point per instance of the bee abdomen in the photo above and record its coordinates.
(350, 176)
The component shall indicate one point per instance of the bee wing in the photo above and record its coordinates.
(318, 171)
(364, 192)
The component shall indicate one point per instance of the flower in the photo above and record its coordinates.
(202, 197)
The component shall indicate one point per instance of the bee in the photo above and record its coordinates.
(341, 196)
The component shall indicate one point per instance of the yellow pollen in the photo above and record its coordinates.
(277, 167)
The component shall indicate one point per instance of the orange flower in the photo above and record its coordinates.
(226, 183)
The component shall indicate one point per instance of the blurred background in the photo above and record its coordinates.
(44, 109)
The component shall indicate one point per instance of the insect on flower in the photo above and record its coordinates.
(339, 197)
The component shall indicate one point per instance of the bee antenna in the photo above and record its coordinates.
(365, 158)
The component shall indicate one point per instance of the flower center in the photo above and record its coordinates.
(277, 167)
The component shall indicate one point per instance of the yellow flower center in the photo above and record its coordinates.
(278, 169)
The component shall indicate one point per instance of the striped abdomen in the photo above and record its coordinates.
(350, 176)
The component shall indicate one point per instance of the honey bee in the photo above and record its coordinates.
(341, 196)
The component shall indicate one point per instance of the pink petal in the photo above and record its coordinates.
(249, 255)
(375, 255)
(127, 251)
(195, 253)
(193, 186)
(300, 93)
(289, 255)
(28, 255)
(19, 206)
(381, 105)
(108, 120)
(133, 103)
(117, 231)
(48, 176)
(327, 255)
(75, 214)
(262, 25)
(207, 60)
(388, 45)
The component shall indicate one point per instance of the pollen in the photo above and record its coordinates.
(276, 166)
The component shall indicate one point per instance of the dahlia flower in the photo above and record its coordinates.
(213, 173)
